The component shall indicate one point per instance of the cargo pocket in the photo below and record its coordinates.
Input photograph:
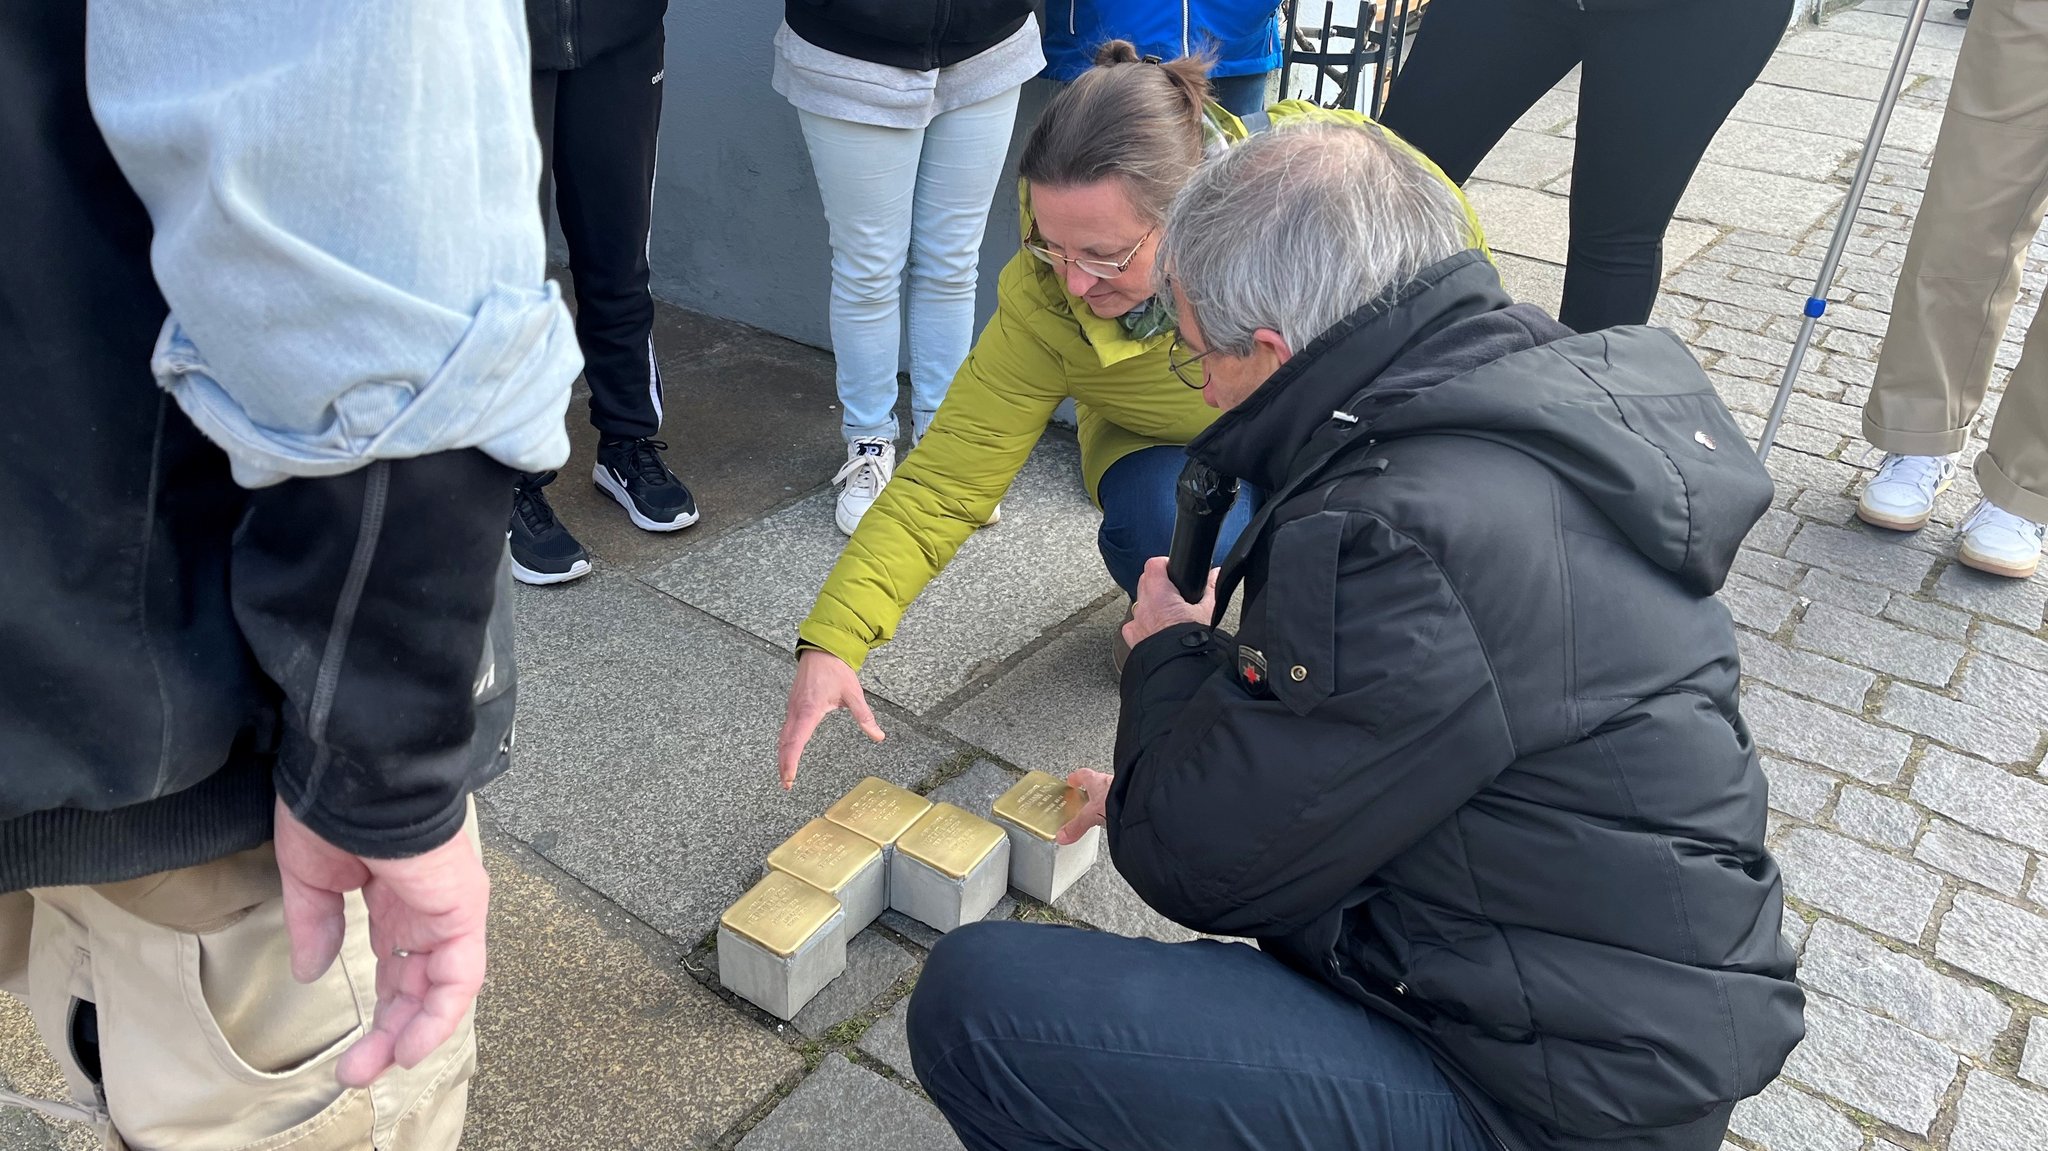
(208, 1044)
(1301, 607)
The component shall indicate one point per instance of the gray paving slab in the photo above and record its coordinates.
(888, 1039)
(1963, 726)
(1798, 791)
(2034, 1058)
(841, 1105)
(577, 1008)
(1764, 201)
(751, 422)
(1784, 1118)
(1904, 1088)
(1996, 1114)
(1838, 875)
(1531, 281)
(1851, 966)
(1006, 586)
(1984, 798)
(1963, 853)
(1878, 819)
(1056, 710)
(1786, 151)
(1801, 729)
(1526, 159)
(1522, 221)
(874, 964)
(645, 756)
(1995, 940)
(1102, 898)
(1844, 116)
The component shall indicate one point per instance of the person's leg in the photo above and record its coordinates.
(169, 1003)
(958, 169)
(1240, 95)
(1139, 507)
(1477, 65)
(608, 114)
(546, 86)
(1658, 83)
(1985, 198)
(1032, 1037)
(867, 178)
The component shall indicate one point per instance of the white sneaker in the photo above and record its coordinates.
(1999, 542)
(1901, 495)
(870, 461)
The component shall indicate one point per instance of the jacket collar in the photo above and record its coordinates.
(1264, 439)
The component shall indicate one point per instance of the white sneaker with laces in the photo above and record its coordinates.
(870, 461)
(1999, 542)
(1901, 495)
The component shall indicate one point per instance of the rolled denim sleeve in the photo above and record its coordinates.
(345, 200)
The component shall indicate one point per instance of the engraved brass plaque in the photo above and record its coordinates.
(825, 855)
(950, 841)
(1040, 805)
(780, 913)
(878, 809)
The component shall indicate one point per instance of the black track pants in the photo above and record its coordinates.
(597, 125)
(1658, 81)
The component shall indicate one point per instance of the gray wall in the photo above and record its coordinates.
(738, 228)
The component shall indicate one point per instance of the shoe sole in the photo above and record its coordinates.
(527, 575)
(1990, 566)
(1878, 519)
(847, 525)
(603, 479)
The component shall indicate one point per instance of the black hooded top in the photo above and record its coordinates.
(1475, 757)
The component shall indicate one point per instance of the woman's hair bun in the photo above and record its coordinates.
(1117, 52)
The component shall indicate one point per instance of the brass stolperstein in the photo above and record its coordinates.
(878, 809)
(1040, 804)
(950, 841)
(780, 913)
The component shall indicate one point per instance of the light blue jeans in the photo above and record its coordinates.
(897, 197)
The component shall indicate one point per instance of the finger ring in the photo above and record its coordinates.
(400, 953)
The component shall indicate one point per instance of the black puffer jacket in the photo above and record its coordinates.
(1475, 757)
(919, 34)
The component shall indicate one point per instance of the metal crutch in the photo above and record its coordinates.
(1817, 303)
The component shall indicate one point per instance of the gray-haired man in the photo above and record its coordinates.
(1472, 773)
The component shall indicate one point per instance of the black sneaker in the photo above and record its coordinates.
(633, 473)
(543, 551)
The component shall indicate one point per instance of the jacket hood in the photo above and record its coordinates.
(1624, 416)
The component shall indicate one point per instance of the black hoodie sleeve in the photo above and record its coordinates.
(376, 602)
(1251, 811)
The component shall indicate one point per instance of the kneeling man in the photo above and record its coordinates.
(1472, 773)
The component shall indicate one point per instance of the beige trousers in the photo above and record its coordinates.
(1985, 197)
(206, 1043)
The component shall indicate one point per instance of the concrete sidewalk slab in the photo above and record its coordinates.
(1007, 584)
(751, 421)
(1056, 710)
(645, 762)
(845, 1106)
(588, 1026)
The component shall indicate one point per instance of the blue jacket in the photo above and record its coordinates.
(1244, 33)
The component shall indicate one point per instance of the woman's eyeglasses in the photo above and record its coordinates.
(1098, 268)
(1185, 361)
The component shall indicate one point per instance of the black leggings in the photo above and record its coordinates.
(1658, 81)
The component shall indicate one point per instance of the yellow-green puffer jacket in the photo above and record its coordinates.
(1041, 347)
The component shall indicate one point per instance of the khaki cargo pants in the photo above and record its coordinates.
(206, 1043)
(1985, 198)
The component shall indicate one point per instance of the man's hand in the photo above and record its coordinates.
(824, 684)
(1094, 813)
(1160, 607)
(432, 907)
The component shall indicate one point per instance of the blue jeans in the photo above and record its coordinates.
(1138, 510)
(1032, 1037)
(897, 197)
(1240, 95)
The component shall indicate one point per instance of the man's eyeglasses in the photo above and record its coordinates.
(1098, 268)
(1185, 361)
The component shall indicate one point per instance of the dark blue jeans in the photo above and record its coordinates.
(1240, 95)
(1032, 1037)
(1138, 510)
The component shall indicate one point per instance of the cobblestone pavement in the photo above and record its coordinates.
(1900, 701)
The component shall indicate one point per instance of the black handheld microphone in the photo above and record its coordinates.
(1203, 496)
